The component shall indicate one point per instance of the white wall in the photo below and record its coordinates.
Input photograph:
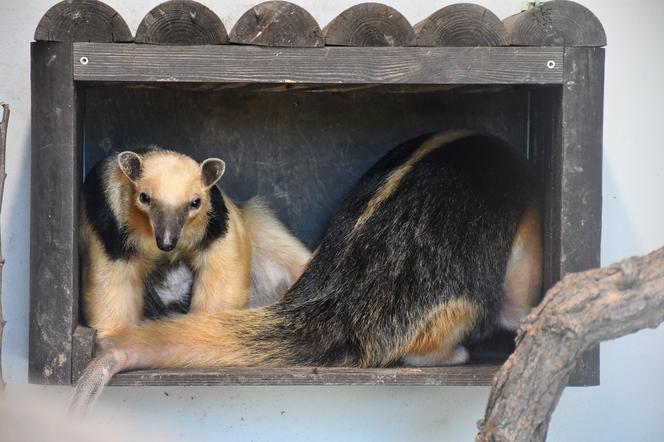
(627, 406)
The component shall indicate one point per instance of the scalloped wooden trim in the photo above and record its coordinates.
(461, 24)
(555, 23)
(181, 22)
(82, 20)
(277, 24)
(369, 24)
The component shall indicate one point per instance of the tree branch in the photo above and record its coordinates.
(578, 313)
(3, 148)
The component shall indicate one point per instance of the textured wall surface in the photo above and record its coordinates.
(627, 406)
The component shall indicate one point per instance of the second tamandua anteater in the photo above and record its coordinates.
(149, 220)
(437, 244)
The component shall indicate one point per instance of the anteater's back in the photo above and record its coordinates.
(432, 222)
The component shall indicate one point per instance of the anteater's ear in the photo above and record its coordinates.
(130, 164)
(211, 170)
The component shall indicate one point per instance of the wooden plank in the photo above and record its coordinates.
(369, 24)
(487, 65)
(572, 149)
(54, 214)
(277, 24)
(580, 158)
(83, 350)
(461, 24)
(544, 127)
(457, 375)
(581, 128)
(82, 20)
(566, 143)
(555, 23)
(545, 146)
(181, 22)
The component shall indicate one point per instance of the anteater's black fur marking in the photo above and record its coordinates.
(445, 232)
(98, 211)
(217, 219)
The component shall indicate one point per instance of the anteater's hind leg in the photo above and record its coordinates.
(523, 277)
(439, 341)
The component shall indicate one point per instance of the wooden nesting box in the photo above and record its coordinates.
(299, 113)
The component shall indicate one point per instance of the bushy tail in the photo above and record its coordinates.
(227, 338)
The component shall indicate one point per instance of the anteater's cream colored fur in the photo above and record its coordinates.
(166, 196)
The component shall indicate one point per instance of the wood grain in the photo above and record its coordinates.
(225, 63)
(181, 22)
(83, 350)
(82, 20)
(555, 23)
(369, 24)
(277, 24)
(461, 24)
(53, 213)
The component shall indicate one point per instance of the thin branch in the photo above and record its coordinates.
(578, 313)
(3, 149)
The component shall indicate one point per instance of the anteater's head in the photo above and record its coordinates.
(171, 190)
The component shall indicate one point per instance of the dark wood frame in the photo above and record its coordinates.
(566, 143)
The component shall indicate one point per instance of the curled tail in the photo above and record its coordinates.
(97, 374)
(227, 338)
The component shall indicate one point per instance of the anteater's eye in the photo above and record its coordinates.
(144, 198)
(195, 204)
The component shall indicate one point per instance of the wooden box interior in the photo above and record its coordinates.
(302, 148)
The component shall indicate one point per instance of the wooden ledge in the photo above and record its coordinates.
(433, 376)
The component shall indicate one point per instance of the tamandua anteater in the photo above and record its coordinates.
(149, 220)
(437, 244)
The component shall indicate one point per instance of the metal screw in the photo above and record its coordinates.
(550, 64)
(84, 60)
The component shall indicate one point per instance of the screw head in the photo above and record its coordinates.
(84, 60)
(550, 64)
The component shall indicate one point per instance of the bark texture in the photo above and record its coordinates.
(578, 313)
(3, 147)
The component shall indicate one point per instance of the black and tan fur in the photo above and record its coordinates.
(159, 215)
(438, 244)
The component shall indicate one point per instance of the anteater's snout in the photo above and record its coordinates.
(166, 246)
(167, 226)
(166, 242)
